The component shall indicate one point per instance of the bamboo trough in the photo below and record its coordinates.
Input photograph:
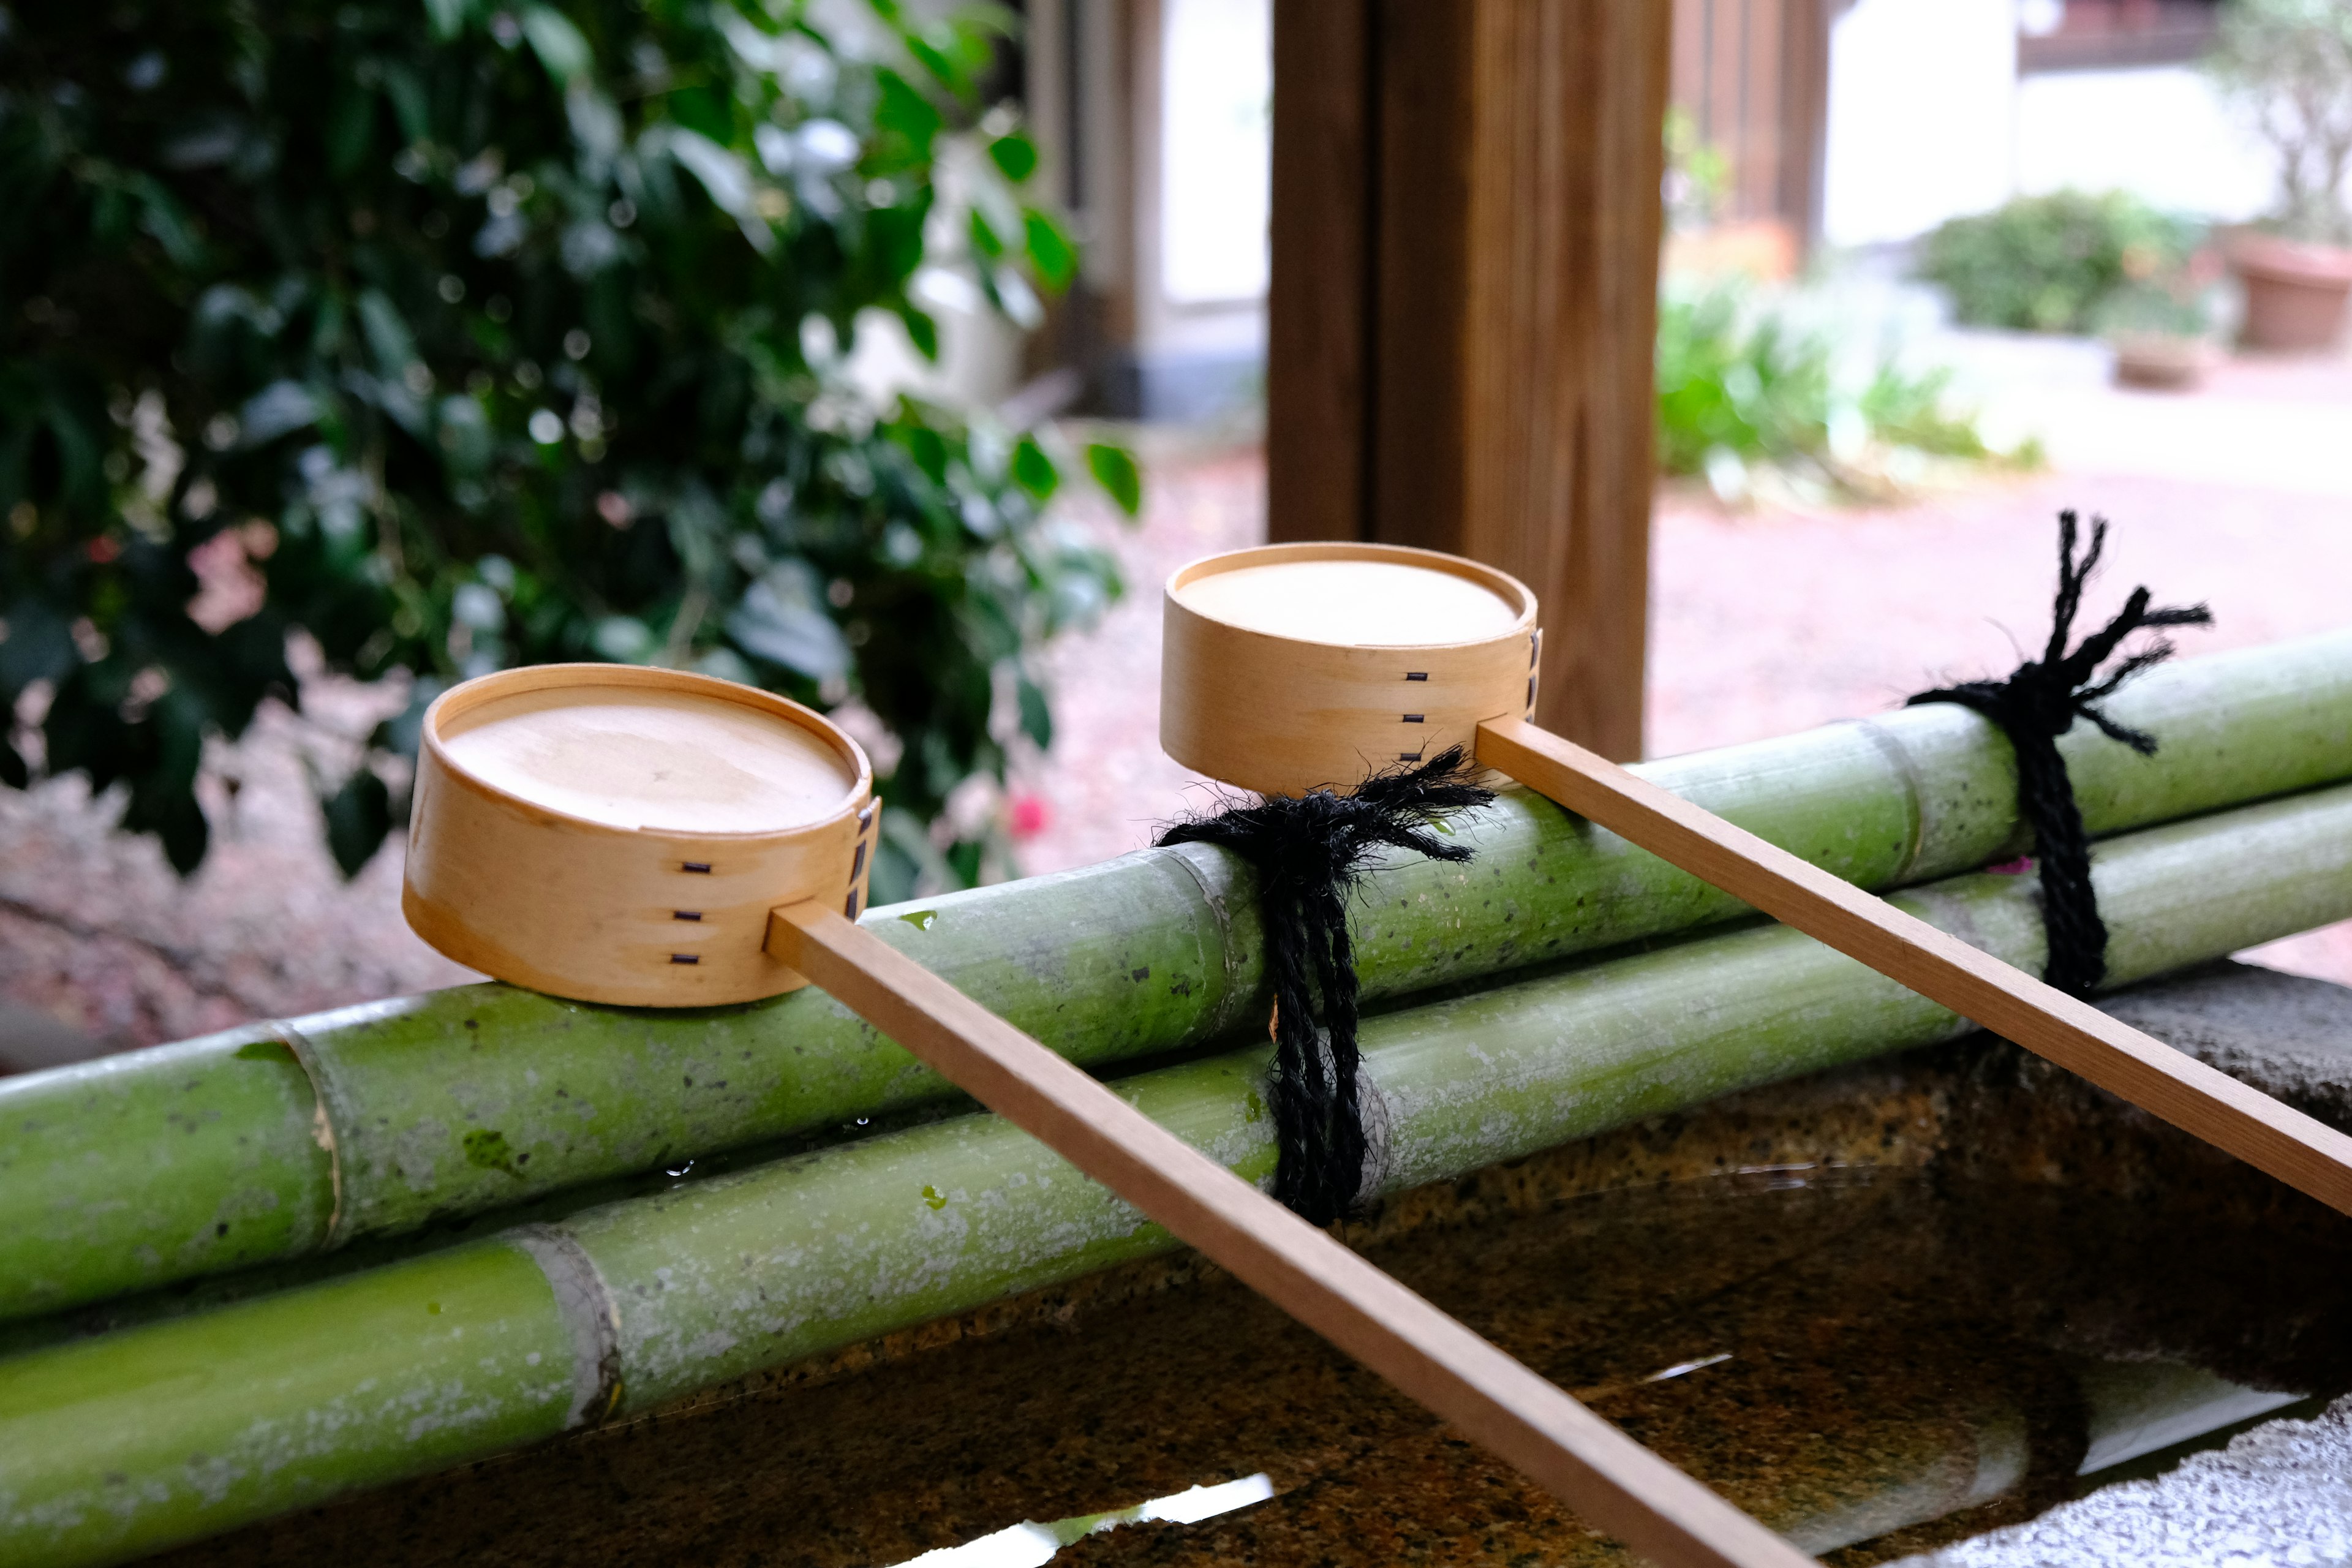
(59, 1388)
(566, 814)
(286, 1138)
(298, 1392)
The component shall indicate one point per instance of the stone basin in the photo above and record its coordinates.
(1887, 1309)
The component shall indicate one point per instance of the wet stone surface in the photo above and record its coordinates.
(1808, 1297)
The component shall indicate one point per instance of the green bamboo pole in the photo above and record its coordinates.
(279, 1140)
(126, 1443)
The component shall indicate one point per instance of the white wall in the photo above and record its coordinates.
(1929, 120)
(2160, 133)
(1216, 148)
(1919, 116)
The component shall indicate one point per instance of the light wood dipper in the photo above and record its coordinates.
(572, 821)
(1256, 691)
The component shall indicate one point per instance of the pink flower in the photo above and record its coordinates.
(1031, 816)
(2017, 868)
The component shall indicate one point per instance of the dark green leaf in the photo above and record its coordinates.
(358, 817)
(929, 450)
(38, 645)
(782, 619)
(933, 59)
(1036, 718)
(906, 120)
(1050, 249)
(404, 83)
(1015, 156)
(922, 331)
(348, 130)
(1032, 470)
(560, 46)
(896, 237)
(174, 818)
(985, 240)
(1115, 469)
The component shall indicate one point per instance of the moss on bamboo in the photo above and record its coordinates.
(217, 1153)
(126, 1443)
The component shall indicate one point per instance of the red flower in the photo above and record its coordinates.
(1031, 816)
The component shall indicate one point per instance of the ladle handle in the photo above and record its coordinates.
(1613, 1481)
(2274, 1138)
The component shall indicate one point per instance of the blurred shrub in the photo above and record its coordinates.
(2176, 303)
(2289, 65)
(467, 333)
(1743, 391)
(1698, 174)
(2046, 264)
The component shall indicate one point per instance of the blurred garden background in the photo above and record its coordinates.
(890, 356)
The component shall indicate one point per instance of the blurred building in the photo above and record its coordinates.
(1848, 122)
(1938, 108)
(1156, 116)
(1866, 121)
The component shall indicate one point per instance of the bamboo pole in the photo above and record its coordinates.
(279, 1140)
(399, 1370)
(2279, 1140)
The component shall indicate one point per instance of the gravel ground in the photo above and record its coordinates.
(98, 933)
(1761, 624)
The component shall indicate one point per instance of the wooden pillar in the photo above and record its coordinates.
(1463, 303)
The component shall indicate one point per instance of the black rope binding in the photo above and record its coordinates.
(1309, 852)
(2041, 702)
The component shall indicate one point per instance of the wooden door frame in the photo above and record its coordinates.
(1464, 306)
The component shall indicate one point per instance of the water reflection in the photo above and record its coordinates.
(1873, 1365)
(1028, 1545)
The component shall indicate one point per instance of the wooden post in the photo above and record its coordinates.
(1463, 306)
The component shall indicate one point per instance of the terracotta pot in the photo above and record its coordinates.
(2161, 361)
(2294, 292)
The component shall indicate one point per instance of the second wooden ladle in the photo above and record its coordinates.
(1294, 666)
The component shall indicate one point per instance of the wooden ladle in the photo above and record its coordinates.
(1294, 666)
(655, 838)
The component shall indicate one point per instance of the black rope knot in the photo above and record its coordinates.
(1309, 852)
(2041, 702)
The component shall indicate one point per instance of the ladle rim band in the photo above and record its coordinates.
(481, 689)
(1495, 580)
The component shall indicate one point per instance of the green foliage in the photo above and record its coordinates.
(1743, 391)
(2047, 264)
(2169, 306)
(1113, 468)
(2289, 65)
(1726, 384)
(490, 333)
